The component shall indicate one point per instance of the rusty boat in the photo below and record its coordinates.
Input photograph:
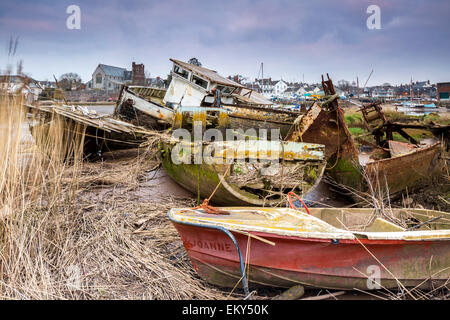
(95, 132)
(244, 172)
(329, 248)
(390, 166)
(263, 169)
(224, 102)
(198, 94)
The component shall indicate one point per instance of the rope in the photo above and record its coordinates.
(205, 205)
(291, 204)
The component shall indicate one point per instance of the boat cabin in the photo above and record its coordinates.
(192, 85)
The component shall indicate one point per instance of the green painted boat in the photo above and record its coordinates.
(252, 172)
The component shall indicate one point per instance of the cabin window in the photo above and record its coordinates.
(227, 90)
(98, 78)
(199, 81)
(178, 70)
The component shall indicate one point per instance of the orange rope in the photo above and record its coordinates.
(205, 205)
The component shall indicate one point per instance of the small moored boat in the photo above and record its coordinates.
(328, 248)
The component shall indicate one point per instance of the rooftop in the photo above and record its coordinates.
(113, 71)
(208, 74)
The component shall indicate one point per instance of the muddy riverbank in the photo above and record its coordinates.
(126, 247)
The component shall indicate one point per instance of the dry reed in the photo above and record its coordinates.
(74, 231)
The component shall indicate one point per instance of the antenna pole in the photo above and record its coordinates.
(357, 87)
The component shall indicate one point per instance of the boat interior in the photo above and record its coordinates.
(395, 149)
(149, 93)
(320, 220)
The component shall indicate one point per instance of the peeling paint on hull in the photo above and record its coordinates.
(318, 262)
(300, 170)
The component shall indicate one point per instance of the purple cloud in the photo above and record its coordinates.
(292, 38)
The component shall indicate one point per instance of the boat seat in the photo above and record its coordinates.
(382, 225)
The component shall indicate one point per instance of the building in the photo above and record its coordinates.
(423, 89)
(443, 91)
(383, 93)
(19, 84)
(137, 74)
(280, 87)
(266, 86)
(107, 77)
(111, 78)
(253, 86)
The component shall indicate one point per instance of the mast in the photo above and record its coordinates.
(262, 70)
(357, 87)
(261, 76)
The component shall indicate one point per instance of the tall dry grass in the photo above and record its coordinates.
(33, 201)
(64, 235)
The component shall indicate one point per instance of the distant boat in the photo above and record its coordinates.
(431, 105)
(410, 104)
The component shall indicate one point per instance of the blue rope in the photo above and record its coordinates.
(231, 236)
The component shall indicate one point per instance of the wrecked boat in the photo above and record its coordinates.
(97, 133)
(390, 166)
(225, 102)
(244, 172)
(261, 175)
(144, 106)
(329, 248)
(198, 94)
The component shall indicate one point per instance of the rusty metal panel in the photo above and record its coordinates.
(400, 148)
(407, 170)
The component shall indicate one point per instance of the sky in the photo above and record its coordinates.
(295, 39)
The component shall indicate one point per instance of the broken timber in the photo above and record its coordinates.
(100, 133)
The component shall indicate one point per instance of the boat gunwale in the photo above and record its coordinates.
(126, 88)
(409, 154)
(344, 236)
(306, 284)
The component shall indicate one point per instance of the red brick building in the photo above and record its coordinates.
(443, 91)
(137, 74)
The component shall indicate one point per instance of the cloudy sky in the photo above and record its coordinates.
(293, 38)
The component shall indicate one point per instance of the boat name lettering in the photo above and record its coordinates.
(212, 245)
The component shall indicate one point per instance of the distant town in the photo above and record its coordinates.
(107, 80)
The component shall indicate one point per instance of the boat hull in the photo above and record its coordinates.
(315, 263)
(243, 182)
(93, 135)
(407, 171)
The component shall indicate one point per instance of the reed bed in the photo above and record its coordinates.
(69, 230)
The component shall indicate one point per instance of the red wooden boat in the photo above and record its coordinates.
(330, 248)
